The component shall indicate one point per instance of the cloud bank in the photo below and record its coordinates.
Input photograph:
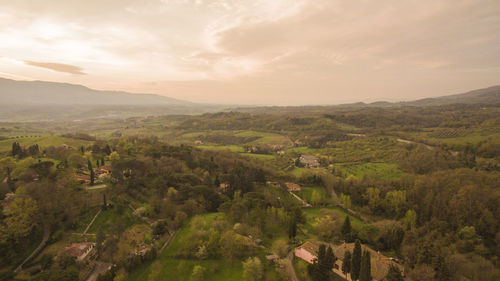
(258, 52)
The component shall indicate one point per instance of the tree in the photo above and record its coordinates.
(21, 219)
(292, 228)
(107, 149)
(104, 203)
(346, 262)
(316, 197)
(217, 181)
(365, 270)
(198, 273)
(322, 266)
(99, 241)
(394, 274)
(356, 261)
(345, 200)
(91, 170)
(252, 269)
(328, 261)
(346, 229)
(16, 149)
(410, 219)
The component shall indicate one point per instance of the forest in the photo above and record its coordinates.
(306, 193)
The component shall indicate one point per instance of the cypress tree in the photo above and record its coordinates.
(356, 261)
(329, 260)
(292, 229)
(365, 271)
(104, 203)
(346, 229)
(16, 148)
(346, 262)
(107, 149)
(321, 253)
(92, 175)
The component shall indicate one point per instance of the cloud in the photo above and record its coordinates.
(59, 67)
(258, 51)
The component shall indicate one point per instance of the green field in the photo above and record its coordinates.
(383, 170)
(312, 214)
(298, 172)
(306, 193)
(109, 217)
(233, 148)
(181, 269)
(43, 142)
(259, 156)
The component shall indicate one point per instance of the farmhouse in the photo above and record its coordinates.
(223, 187)
(379, 263)
(307, 251)
(79, 250)
(273, 183)
(105, 169)
(290, 186)
(309, 161)
(83, 179)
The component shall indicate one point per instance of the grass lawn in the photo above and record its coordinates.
(181, 269)
(384, 170)
(301, 269)
(43, 142)
(299, 171)
(114, 215)
(306, 150)
(312, 214)
(306, 193)
(171, 268)
(259, 156)
(233, 148)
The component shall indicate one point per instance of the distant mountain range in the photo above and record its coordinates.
(51, 93)
(39, 100)
(489, 95)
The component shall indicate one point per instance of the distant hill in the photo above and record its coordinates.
(489, 95)
(33, 93)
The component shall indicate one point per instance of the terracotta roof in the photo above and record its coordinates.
(78, 249)
(310, 247)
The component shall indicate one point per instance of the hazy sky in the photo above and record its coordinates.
(256, 51)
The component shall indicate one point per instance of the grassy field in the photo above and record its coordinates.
(170, 268)
(306, 193)
(298, 172)
(114, 215)
(44, 141)
(383, 170)
(181, 269)
(259, 156)
(313, 214)
(233, 148)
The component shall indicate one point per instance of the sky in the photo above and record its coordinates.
(261, 52)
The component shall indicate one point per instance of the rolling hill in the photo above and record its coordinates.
(32, 93)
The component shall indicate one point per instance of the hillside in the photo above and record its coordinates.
(33, 93)
(490, 95)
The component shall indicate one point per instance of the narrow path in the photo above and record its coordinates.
(100, 268)
(46, 235)
(290, 270)
(100, 186)
(167, 242)
(412, 142)
(304, 203)
(90, 224)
